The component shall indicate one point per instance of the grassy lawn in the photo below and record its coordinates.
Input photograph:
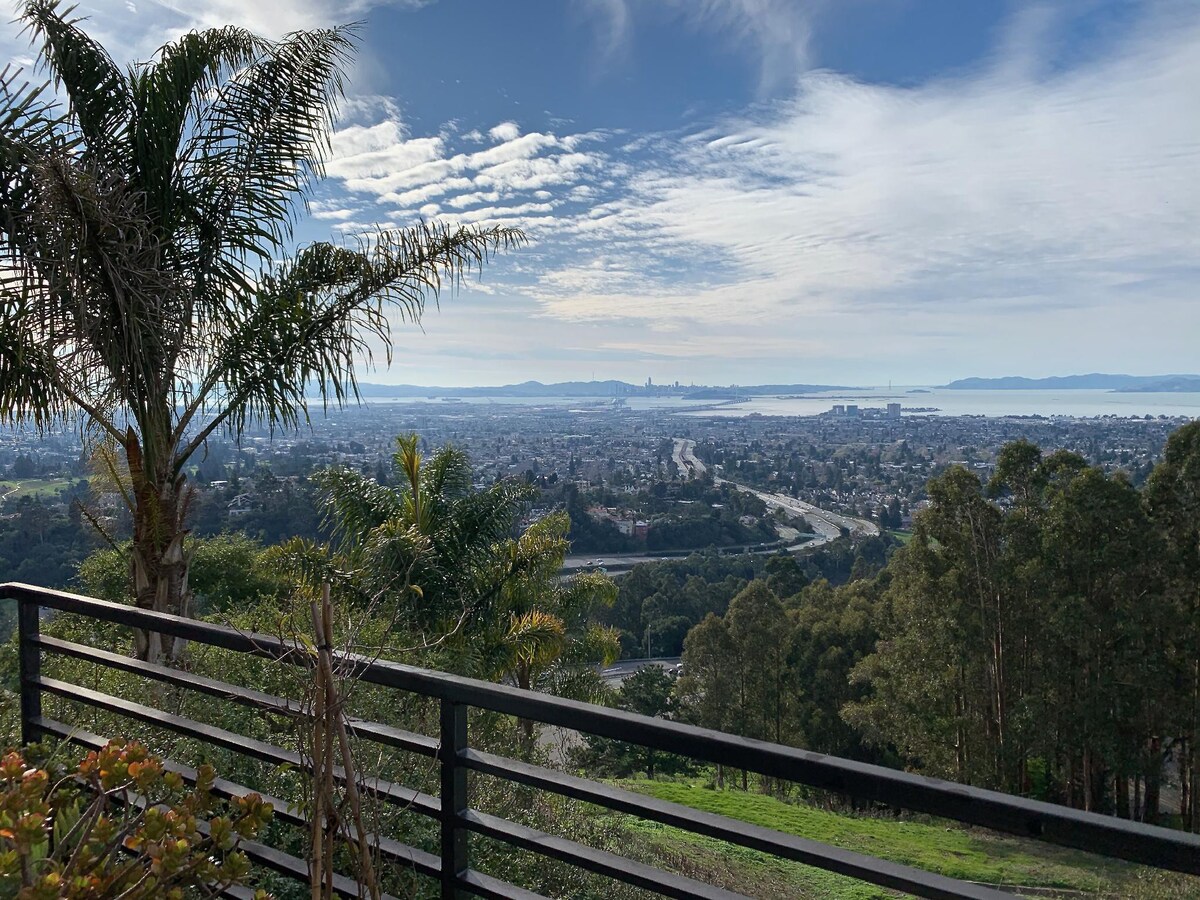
(902, 535)
(969, 854)
(14, 490)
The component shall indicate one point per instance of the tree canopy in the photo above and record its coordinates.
(148, 281)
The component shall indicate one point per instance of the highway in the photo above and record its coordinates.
(828, 525)
(685, 459)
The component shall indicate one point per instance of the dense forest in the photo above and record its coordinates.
(1039, 635)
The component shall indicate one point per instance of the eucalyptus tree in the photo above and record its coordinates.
(1173, 501)
(148, 281)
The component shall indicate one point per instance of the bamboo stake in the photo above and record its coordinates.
(318, 865)
(325, 689)
(337, 720)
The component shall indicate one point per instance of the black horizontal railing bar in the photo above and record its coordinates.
(292, 866)
(871, 869)
(420, 860)
(262, 854)
(601, 862)
(396, 794)
(1120, 838)
(373, 731)
(494, 889)
(297, 869)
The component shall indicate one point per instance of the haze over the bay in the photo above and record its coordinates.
(769, 191)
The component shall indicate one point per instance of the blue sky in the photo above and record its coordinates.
(839, 191)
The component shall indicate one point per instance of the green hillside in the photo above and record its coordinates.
(969, 854)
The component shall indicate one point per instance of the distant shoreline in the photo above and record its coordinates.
(1149, 384)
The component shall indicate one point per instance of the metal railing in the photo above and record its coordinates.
(455, 757)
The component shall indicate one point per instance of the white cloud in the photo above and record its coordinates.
(1033, 210)
(1066, 195)
(337, 215)
(130, 31)
(376, 152)
(464, 200)
(505, 131)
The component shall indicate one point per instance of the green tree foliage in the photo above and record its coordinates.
(758, 630)
(647, 692)
(454, 569)
(142, 223)
(43, 544)
(1026, 642)
(542, 633)
(433, 530)
(228, 571)
(785, 577)
(657, 603)
(709, 686)
(832, 630)
(1173, 502)
(781, 672)
(734, 671)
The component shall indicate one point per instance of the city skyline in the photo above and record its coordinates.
(752, 191)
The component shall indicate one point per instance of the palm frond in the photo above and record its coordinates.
(318, 315)
(448, 474)
(169, 97)
(536, 638)
(27, 374)
(352, 505)
(308, 566)
(96, 89)
(259, 142)
(586, 593)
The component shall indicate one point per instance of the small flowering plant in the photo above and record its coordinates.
(119, 825)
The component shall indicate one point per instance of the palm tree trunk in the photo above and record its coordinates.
(159, 564)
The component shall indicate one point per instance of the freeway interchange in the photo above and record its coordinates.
(827, 525)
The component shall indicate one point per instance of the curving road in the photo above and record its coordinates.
(828, 525)
(685, 459)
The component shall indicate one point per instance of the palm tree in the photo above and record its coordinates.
(495, 602)
(434, 531)
(543, 635)
(141, 226)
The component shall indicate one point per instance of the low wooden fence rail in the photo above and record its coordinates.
(455, 758)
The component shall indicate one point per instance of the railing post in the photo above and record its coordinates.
(30, 662)
(454, 797)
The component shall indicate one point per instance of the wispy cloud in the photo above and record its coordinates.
(776, 33)
(505, 131)
(1016, 188)
(1049, 209)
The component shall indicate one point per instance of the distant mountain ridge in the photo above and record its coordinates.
(610, 388)
(1096, 381)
